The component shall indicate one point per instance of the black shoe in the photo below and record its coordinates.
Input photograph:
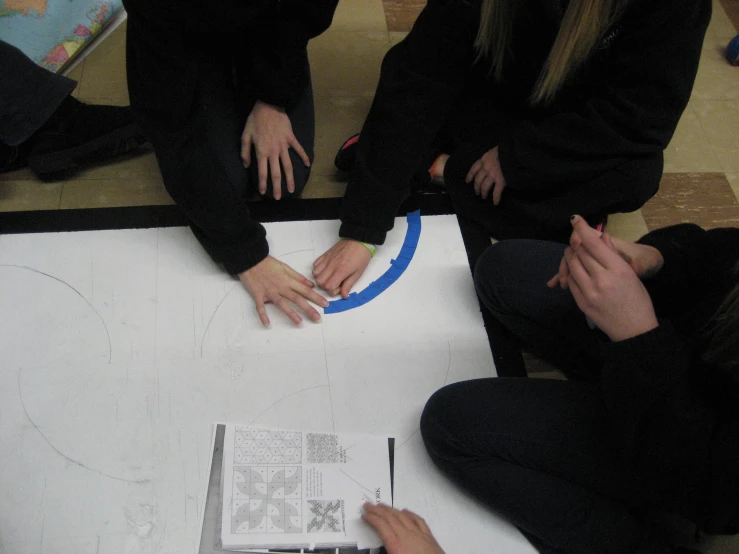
(347, 154)
(684, 550)
(79, 134)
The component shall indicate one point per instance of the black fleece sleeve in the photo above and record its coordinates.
(666, 433)
(278, 48)
(626, 106)
(420, 81)
(668, 408)
(698, 269)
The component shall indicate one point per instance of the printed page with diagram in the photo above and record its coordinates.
(286, 488)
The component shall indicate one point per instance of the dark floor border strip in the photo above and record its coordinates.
(145, 217)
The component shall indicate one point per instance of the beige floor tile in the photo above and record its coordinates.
(104, 76)
(556, 374)
(732, 10)
(716, 79)
(703, 198)
(628, 226)
(359, 15)
(324, 186)
(689, 150)
(109, 193)
(720, 26)
(720, 121)
(397, 36)
(139, 164)
(728, 158)
(347, 63)
(733, 179)
(76, 75)
(337, 118)
(16, 196)
(401, 14)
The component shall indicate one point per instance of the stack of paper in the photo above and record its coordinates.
(285, 489)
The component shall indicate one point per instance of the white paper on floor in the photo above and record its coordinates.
(120, 349)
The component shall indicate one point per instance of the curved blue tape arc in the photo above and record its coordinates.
(397, 267)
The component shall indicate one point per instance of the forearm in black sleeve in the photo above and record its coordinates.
(662, 429)
(420, 80)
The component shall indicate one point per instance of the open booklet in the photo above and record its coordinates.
(289, 489)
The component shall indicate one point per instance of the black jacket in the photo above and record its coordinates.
(675, 417)
(265, 42)
(605, 130)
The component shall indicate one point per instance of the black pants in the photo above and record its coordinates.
(197, 136)
(539, 451)
(29, 95)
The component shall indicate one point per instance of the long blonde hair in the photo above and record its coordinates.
(583, 26)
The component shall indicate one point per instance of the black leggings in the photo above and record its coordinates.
(539, 451)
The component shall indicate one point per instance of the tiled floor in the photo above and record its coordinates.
(701, 181)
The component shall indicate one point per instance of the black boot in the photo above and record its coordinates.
(79, 134)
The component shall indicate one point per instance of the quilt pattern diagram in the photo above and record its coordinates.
(262, 446)
(326, 516)
(267, 500)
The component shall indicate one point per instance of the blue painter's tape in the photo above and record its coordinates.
(397, 267)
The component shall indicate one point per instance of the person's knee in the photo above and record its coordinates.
(436, 421)
(490, 274)
(301, 174)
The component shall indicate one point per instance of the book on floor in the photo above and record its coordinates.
(292, 489)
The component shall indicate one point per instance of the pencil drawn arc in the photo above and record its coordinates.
(78, 293)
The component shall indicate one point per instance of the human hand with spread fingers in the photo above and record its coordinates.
(269, 130)
(274, 281)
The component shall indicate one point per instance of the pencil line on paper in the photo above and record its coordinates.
(406, 440)
(33, 270)
(205, 333)
(357, 482)
(80, 464)
(449, 362)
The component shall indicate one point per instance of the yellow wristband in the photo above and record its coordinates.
(370, 247)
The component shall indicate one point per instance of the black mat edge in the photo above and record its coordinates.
(146, 217)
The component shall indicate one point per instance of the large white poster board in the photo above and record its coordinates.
(120, 349)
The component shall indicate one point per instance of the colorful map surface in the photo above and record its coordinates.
(53, 32)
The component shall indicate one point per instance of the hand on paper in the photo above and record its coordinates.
(605, 287)
(269, 129)
(487, 174)
(341, 266)
(273, 281)
(402, 532)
